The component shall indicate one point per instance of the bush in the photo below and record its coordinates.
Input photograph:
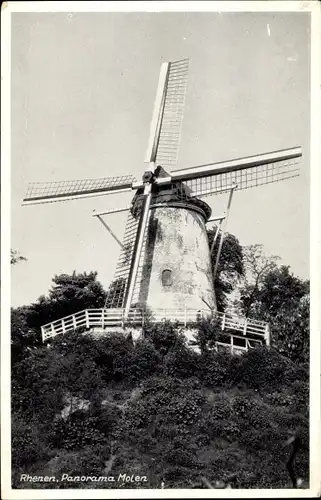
(181, 362)
(263, 367)
(214, 368)
(27, 445)
(105, 418)
(164, 336)
(185, 409)
(207, 333)
(144, 362)
(175, 415)
(77, 431)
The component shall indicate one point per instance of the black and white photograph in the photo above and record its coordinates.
(156, 323)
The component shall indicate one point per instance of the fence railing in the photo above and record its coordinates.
(238, 344)
(104, 318)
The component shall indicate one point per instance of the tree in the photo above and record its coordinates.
(22, 336)
(257, 266)
(230, 268)
(69, 294)
(282, 300)
(291, 329)
(15, 257)
(80, 288)
(279, 288)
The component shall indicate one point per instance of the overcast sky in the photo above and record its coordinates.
(83, 88)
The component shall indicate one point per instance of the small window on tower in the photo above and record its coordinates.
(167, 277)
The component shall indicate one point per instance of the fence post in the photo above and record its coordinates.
(87, 318)
(267, 336)
(63, 326)
(103, 318)
(52, 330)
(223, 322)
(245, 326)
(123, 317)
(43, 333)
(74, 322)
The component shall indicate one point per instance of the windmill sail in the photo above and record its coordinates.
(168, 114)
(246, 172)
(162, 149)
(119, 288)
(139, 276)
(49, 192)
(117, 291)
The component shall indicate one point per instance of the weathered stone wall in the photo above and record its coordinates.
(177, 242)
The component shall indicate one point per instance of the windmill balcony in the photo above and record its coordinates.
(237, 334)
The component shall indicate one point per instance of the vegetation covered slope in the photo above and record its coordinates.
(90, 406)
(86, 406)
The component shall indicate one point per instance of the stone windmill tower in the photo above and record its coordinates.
(165, 258)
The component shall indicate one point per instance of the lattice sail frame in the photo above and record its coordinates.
(170, 130)
(168, 113)
(117, 291)
(245, 178)
(49, 192)
(246, 173)
(116, 295)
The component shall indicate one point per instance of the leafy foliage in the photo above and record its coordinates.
(22, 337)
(282, 300)
(155, 407)
(279, 287)
(158, 409)
(257, 266)
(69, 294)
(230, 268)
(15, 257)
(207, 334)
(76, 432)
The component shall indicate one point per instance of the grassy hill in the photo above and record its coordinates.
(86, 406)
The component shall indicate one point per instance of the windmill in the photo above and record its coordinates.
(165, 258)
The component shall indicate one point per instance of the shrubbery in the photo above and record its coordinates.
(168, 412)
(156, 407)
(75, 432)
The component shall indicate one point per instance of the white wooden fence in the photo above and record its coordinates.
(104, 318)
(238, 344)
